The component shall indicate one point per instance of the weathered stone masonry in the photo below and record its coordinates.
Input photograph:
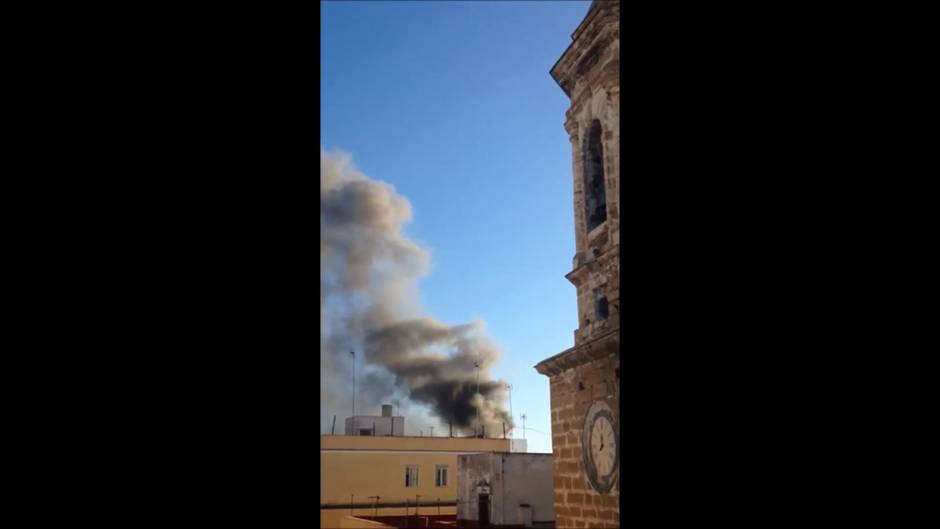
(579, 377)
(589, 372)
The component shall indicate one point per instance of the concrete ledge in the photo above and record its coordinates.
(580, 354)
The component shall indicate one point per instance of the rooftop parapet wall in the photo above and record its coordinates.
(444, 444)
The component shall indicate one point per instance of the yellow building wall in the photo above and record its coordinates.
(383, 474)
(366, 466)
(332, 518)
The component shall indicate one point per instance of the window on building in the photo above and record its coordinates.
(411, 476)
(365, 431)
(440, 477)
(600, 308)
(595, 194)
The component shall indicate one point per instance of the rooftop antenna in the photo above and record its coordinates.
(509, 386)
(476, 364)
(523, 426)
(353, 353)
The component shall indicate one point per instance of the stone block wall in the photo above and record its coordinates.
(604, 280)
(572, 393)
(589, 73)
(597, 253)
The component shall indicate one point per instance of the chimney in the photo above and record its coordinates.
(386, 410)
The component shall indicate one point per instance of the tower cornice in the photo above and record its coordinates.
(598, 29)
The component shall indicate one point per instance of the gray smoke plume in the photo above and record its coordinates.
(369, 276)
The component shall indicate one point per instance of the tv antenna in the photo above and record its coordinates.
(353, 353)
(476, 364)
(509, 387)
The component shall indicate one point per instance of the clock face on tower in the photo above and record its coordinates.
(600, 446)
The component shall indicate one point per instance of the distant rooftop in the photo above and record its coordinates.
(431, 444)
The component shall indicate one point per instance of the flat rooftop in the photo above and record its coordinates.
(426, 443)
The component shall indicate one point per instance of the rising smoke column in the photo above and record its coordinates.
(369, 276)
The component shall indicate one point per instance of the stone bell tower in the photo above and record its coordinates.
(585, 379)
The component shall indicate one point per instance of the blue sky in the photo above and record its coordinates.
(453, 105)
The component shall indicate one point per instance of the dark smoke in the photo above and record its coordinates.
(368, 304)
